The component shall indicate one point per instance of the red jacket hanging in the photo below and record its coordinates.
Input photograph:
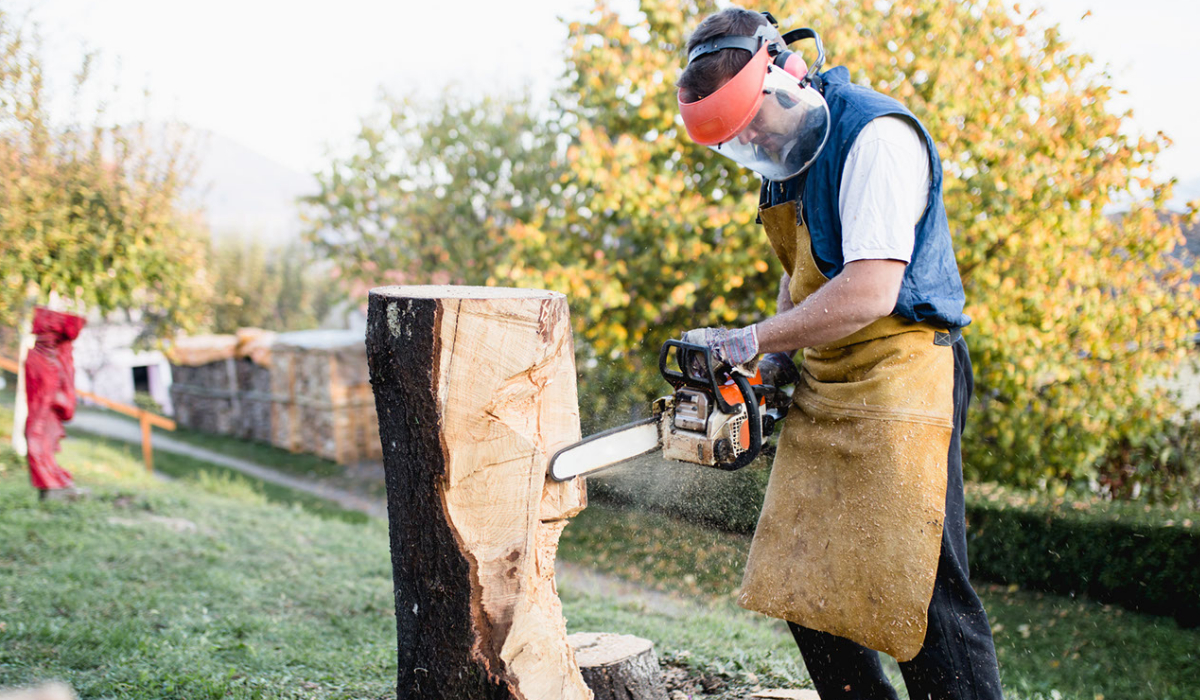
(50, 392)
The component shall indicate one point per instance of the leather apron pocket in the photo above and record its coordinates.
(851, 527)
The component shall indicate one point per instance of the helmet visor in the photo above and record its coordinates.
(787, 132)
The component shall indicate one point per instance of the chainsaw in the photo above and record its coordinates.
(715, 417)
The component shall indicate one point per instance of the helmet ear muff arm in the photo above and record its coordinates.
(797, 35)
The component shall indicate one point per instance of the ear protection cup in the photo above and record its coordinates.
(791, 62)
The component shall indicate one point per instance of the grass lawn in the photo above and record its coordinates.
(1048, 646)
(211, 586)
(189, 589)
(297, 464)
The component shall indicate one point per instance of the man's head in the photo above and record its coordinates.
(743, 95)
(703, 76)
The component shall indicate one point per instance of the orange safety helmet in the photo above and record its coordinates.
(776, 138)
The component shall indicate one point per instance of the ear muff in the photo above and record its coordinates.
(791, 62)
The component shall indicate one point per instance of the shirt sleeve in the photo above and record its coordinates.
(884, 191)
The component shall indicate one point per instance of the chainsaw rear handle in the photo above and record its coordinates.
(693, 359)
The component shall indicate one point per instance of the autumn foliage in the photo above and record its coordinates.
(1076, 312)
(89, 208)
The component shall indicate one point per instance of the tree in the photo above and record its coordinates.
(1073, 313)
(278, 289)
(89, 209)
(431, 193)
(661, 234)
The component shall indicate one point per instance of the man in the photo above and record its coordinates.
(861, 543)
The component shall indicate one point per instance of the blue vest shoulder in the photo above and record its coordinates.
(932, 289)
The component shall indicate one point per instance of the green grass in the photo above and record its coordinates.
(298, 464)
(294, 463)
(204, 588)
(1045, 644)
(178, 466)
(215, 585)
(188, 589)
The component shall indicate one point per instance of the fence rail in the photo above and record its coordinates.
(145, 418)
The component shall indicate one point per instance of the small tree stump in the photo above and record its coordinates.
(475, 389)
(619, 666)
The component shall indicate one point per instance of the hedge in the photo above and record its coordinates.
(1143, 558)
(1149, 564)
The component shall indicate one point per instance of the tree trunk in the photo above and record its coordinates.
(475, 389)
(619, 666)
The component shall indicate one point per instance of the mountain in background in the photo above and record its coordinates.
(244, 193)
(1186, 192)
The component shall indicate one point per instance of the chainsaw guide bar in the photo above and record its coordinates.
(712, 419)
(606, 449)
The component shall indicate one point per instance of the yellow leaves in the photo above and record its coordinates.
(658, 233)
(683, 294)
(521, 233)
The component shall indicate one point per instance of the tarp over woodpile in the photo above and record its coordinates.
(255, 344)
(197, 350)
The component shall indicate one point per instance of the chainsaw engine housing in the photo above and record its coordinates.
(695, 430)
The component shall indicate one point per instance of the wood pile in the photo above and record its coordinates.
(322, 400)
(204, 386)
(306, 391)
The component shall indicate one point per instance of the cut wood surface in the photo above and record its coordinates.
(475, 389)
(619, 666)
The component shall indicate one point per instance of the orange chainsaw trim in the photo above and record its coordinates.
(733, 396)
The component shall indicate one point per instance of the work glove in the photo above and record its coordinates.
(737, 347)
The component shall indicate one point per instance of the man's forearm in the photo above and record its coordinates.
(863, 293)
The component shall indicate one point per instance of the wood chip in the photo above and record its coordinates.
(782, 694)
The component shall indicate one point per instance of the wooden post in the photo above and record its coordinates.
(475, 389)
(147, 449)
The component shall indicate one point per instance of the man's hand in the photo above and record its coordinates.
(735, 347)
(778, 369)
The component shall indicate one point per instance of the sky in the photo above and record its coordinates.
(291, 80)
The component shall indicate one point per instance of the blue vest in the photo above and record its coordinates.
(932, 289)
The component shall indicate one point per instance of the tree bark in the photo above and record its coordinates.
(475, 389)
(619, 666)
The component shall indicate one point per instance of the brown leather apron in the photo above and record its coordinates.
(851, 527)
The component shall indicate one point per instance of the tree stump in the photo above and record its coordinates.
(619, 666)
(475, 389)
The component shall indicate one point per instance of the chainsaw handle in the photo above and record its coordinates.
(685, 353)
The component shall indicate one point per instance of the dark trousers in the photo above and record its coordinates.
(958, 660)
